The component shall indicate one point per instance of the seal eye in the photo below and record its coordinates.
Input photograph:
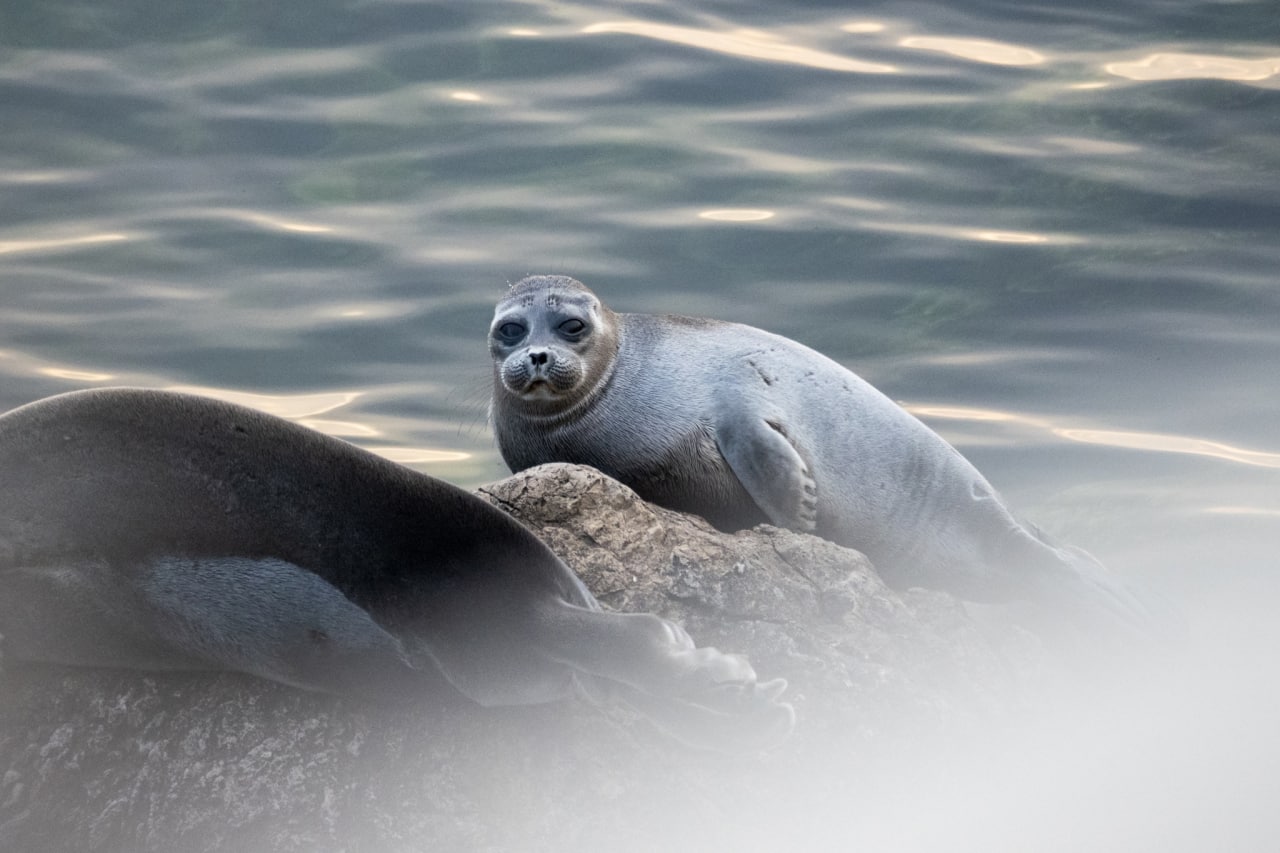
(573, 328)
(510, 332)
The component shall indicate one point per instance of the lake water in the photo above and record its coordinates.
(1051, 230)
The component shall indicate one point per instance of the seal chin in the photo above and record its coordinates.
(539, 391)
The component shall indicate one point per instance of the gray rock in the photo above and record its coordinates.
(121, 761)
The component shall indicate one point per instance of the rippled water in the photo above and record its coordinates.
(1049, 230)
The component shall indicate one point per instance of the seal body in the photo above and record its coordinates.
(743, 426)
(164, 531)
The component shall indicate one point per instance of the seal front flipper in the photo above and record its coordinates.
(271, 618)
(261, 616)
(701, 696)
(765, 460)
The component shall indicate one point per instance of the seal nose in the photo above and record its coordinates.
(538, 357)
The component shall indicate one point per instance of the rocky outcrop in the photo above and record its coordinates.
(118, 761)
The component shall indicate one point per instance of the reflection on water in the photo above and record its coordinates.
(990, 209)
(269, 221)
(736, 215)
(1173, 444)
(1244, 510)
(952, 232)
(75, 375)
(1159, 442)
(978, 50)
(292, 406)
(753, 44)
(419, 455)
(59, 244)
(303, 408)
(1190, 66)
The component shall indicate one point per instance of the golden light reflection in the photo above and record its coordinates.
(40, 176)
(470, 97)
(1190, 66)
(1088, 145)
(10, 247)
(868, 205)
(21, 363)
(986, 235)
(737, 214)
(861, 27)
(345, 429)
(292, 406)
(747, 44)
(75, 375)
(411, 455)
(988, 357)
(362, 311)
(1129, 439)
(524, 32)
(1265, 512)
(976, 50)
(965, 413)
(1010, 237)
(302, 407)
(1172, 444)
(275, 223)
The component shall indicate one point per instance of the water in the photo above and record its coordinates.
(1051, 231)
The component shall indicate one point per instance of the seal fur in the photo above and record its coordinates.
(155, 530)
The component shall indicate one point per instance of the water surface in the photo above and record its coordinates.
(1050, 231)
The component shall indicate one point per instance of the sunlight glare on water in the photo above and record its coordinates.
(1050, 228)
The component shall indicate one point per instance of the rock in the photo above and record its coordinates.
(798, 606)
(122, 761)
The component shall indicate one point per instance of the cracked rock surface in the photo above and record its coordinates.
(120, 761)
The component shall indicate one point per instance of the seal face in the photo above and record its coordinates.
(154, 530)
(552, 346)
(743, 426)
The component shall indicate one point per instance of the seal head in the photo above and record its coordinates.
(553, 343)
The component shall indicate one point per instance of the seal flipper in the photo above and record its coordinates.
(273, 619)
(261, 616)
(766, 462)
(703, 697)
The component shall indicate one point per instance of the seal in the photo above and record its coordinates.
(742, 426)
(153, 530)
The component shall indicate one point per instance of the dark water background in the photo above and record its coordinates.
(1049, 229)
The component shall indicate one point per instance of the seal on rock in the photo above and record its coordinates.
(742, 426)
(155, 530)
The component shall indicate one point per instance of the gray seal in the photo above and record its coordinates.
(742, 426)
(153, 530)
